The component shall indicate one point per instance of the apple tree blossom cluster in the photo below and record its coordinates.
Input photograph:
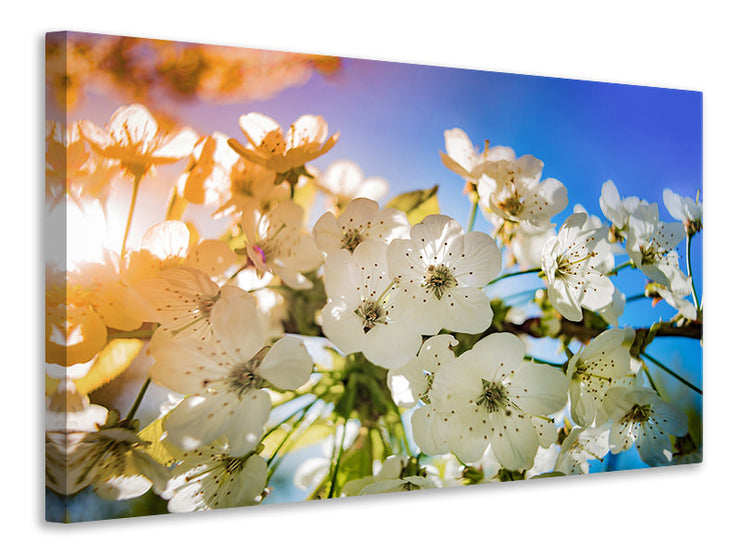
(321, 315)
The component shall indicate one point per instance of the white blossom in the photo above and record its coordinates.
(676, 298)
(617, 209)
(224, 376)
(517, 195)
(134, 139)
(182, 300)
(343, 181)
(464, 159)
(272, 306)
(491, 396)
(684, 209)
(362, 219)
(411, 382)
(526, 247)
(571, 262)
(113, 460)
(207, 177)
(397, 473)
(594, 369)
(580, 446)
(70, 416)
(211, 477)
(283, 153)
(168, 245)
(362, 313)
(613, 310)
(277, 243)
(640, 417)
(440, 271)
(650, 244)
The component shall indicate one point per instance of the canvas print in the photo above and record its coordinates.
(275, 277)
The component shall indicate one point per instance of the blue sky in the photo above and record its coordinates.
(393, 116)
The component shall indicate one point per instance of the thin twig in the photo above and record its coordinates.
(672, 373)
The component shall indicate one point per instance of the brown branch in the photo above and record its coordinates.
(534, 327)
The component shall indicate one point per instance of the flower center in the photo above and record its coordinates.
(206, 304)
(693, 227)
(438, 279)
(639, 413)
(409, 486)
(351, 238)
(586, 370)
(242, 179)
(244, 377)
(429, 379)
(273, 143)
(511, 205)
(651, 252)
(493, 397)
(268, 248)
(371, 313)
(233, 465)
(570, 268)
(615, 234)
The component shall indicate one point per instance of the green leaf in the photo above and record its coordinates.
(159, 449)
(356, 462)
(316, 432)
(506, 475)
(111, 362)
(552, 474)
(416, 204)
(346, 402)
(303, 306)
(305, 195)
(176, 205)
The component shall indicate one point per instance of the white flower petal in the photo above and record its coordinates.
(236, 323)
(514, 441)
(672, 420)
(480, 262)
(653, 445)
(496, 355)
(468, 435)
(391, 345)
(287, 364)
(539, 389)
(342, 327)
(197, 421)
(429, 431)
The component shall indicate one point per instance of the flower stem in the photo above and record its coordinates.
(524, 293)
(473, 212)
(404, 438)
(304, 413)
(694, 296)
(138, 399)
(290, 441)
(145, 332)
(635, 298)
(340, 452)
(304, 408)
(519, 273)
(540, 361)
(615, 271)
(672, 373)
(650, 379)
(239, 270)
(134, 194)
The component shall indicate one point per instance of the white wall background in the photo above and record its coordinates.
(666, 44)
